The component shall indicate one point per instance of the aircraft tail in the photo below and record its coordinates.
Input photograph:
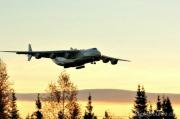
(29, 50)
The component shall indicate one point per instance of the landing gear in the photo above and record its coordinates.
(80, 67)
(66, 67)
(93, 61)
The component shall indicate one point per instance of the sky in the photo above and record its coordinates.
(145, 32)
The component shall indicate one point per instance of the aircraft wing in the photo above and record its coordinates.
(112, 58)
(46, 54)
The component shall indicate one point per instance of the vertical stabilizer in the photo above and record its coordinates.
(29, 51)
(29, 48)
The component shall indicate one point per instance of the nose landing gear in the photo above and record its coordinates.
(93, 61)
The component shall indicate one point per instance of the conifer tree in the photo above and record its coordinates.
(74, 111)
(106, 115)
(167, 109)
(39, 114)
(143, 100)
(158, 111)
(88, 113)
(13, 111)
(140, 106)
(159, 105)
(4, 92)
(89, 105)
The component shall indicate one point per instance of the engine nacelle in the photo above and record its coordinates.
(114, 61)
(105, 60)
(52, 56)
(37, 56)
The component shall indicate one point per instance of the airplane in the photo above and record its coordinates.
(70, 58)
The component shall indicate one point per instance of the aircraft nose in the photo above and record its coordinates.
(92, 53)
(98, 53)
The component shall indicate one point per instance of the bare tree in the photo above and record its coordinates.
(4, 92)
(62, 99)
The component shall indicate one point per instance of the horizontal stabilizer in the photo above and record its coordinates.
(29, 50)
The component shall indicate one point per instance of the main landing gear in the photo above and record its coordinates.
(93, 61)
(80, 67)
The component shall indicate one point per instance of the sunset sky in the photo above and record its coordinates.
(147, 32)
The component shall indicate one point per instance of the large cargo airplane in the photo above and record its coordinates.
(70, 58)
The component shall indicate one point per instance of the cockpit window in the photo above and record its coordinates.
(94, 48)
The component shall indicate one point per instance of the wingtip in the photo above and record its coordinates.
(8, 51)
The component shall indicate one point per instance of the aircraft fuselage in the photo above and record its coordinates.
(81, 58)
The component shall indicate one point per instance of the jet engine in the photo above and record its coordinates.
(114, 61)
(105, 60)
(37, 56)
(52, 56)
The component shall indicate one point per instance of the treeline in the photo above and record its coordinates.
(62, 103)
(163, 108)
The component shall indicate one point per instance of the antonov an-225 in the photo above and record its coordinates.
(70, 58)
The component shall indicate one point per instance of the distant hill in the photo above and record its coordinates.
(106, 95)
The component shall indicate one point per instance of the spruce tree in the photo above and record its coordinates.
(106, 115)
(158, 105)
(143, 100)
(89, 105)
(88, 113)
(158, 111)
(4, 92)
(14, 112)
(167, 109)
(38, 113)
(140, 106)
(75, 111)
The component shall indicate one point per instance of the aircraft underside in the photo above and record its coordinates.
(80, 63)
